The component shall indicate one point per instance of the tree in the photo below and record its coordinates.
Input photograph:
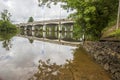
(48, 2)
(5, 15)
(118, 16)
(31, 40)
(91, 16)
(6, 39)
(7, 26)
(30, 19)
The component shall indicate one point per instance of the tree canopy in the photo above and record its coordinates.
(5, 24)
(91, 16)
(30, 19)
(5, 15)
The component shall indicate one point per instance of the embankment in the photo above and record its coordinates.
(107, 54)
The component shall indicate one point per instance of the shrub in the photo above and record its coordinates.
(7, 26)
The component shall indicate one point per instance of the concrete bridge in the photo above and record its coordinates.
(48, 25)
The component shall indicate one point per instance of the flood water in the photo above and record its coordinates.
(23, 59)
(66, 36)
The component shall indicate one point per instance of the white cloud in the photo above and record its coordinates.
(21, 10)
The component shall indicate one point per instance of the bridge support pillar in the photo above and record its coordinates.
(71, 34)
(56, 34)
(65, 29)
(25, 28)
(44, 27)
(44, 34)
(56, 28)
(33, 33)
(71, 28)
(49, 32)
(25, 33)
(50, 29)
(65, 34)
(60, 28)
(33, 28)
(59, 36)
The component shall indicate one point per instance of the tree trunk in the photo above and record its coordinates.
(118, 16)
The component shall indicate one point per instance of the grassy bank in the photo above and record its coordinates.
(111, 32)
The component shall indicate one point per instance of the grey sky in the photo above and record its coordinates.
(21, 10)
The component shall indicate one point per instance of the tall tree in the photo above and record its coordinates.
(91, 16)
(118, 16)
(5, 15)
(30, 19)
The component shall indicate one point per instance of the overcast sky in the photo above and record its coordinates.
(21, 10)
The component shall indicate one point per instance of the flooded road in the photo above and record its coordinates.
(23, 59)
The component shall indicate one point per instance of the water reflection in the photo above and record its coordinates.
(5, 38)
(46, 71)
(66, 36)
(21, 61)
(25, 59)
(31, 40)
(81, 67)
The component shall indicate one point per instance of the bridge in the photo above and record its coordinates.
(48, 25)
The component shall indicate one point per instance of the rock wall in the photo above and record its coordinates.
(107, 54)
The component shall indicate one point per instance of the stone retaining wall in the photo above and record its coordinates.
(107, 54)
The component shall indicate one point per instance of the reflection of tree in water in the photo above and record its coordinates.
(31, 40)
(81, 67)
(7, 44)
(47, 71)
(6, 38)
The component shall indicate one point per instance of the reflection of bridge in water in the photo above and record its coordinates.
(65, 38)
(57, 30)
(48, 25)
(50, 35)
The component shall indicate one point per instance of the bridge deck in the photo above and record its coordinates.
(55, 21)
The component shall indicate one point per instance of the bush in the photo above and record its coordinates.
(7, 26)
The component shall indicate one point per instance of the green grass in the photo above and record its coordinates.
(115, 33)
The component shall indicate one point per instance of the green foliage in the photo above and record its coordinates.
(48, 2)
(30, 19)
(6, 35)
(5, 38)
(7, 26)
(91, 16)
(5, 15)
(31, 40)
(116, 33)
(77, 32)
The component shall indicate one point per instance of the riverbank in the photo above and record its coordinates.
(107, 54)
